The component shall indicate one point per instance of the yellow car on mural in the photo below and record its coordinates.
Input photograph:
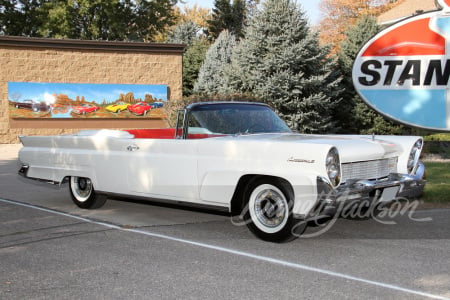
(117, 107)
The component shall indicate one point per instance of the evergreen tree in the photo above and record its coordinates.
(221, 18)
(227, 16)
(280, 61)
(239, 13)
(251, 7)
(354, 116)
(192, 61)
(184, 33)
(218, 56)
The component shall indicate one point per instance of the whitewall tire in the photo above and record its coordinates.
(83, 193)
(269, 210)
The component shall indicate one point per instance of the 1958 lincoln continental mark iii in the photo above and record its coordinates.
(233, 156)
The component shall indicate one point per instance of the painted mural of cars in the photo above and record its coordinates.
(118, 107)
(84, 109)
(140, 109)
(158, 104)
(236, 157)
(34, 105)
(60, 109)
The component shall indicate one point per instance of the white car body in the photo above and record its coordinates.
(209, 171)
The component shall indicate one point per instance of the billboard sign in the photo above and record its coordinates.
(404, 71)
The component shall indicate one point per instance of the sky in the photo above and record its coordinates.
(310, 6)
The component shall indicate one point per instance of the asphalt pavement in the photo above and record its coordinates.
(50, 249)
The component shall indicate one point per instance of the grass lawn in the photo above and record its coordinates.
(445, 137)
(437, 189)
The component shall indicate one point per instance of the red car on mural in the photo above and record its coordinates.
(140, 108)
(84, 108)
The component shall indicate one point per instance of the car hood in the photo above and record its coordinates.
(351, 147)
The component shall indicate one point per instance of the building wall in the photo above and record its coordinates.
(406, 8)
(69, 61)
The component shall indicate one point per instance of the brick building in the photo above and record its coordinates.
(74, 61)
(406, 9)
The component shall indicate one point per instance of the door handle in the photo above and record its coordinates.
(133, 148)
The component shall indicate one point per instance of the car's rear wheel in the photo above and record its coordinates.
(269, 210)
(83, 193)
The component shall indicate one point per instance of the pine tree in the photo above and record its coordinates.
(184, 33)
(218, 56)
(354, 116)
(251, 7)
(227, 16)
(281, 62)
(221, 18)
(192, 61)
(239, 14)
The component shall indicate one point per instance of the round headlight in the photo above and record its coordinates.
(414, 155)
(333, 166)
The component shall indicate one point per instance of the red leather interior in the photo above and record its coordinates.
(166, 133)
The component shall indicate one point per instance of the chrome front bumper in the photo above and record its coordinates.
(395, 186)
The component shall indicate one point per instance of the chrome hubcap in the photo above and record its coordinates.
(82, 188)
(270, 208)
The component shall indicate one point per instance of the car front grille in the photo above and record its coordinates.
(372, 169)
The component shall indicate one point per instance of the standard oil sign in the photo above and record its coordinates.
(404, 71)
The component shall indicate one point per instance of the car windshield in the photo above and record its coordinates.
(237, 118)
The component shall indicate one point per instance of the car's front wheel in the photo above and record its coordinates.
(269, 210)
(83, 193)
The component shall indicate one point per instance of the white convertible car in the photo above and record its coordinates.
(233, 156)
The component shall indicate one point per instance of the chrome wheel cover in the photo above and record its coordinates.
(269, 209)
(81, 188)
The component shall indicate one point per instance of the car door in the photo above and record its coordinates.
(163, 168)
